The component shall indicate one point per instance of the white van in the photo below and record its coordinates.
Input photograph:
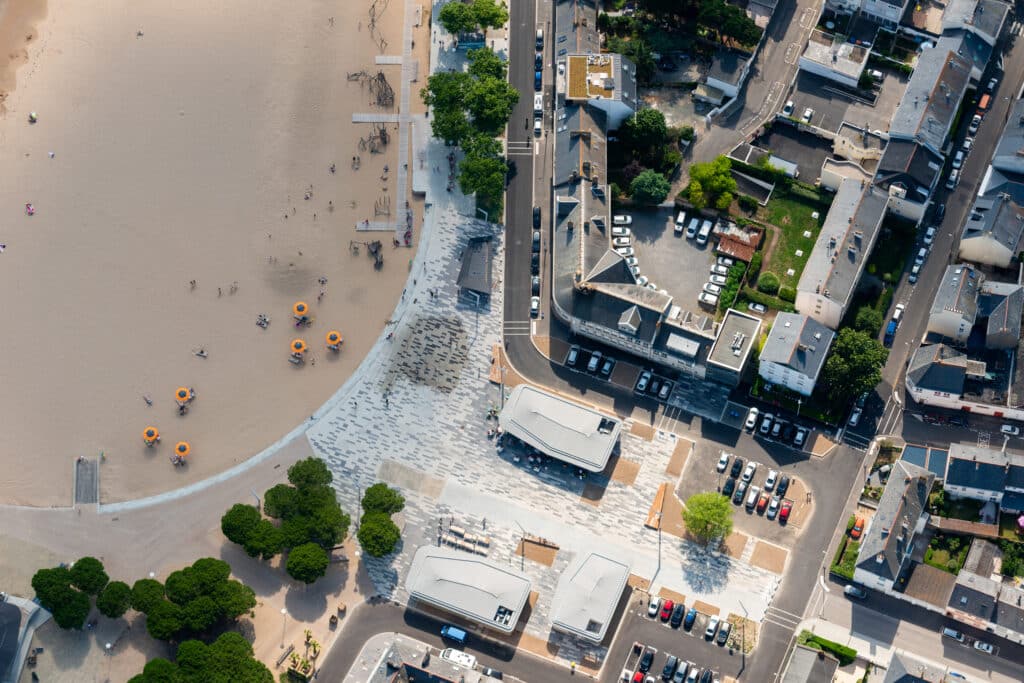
(705, 232)
(680, 222)
(538, 103)
(459, 657)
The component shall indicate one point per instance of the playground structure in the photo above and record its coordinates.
(381, 91)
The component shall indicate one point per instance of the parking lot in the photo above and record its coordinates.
(676, 264)
(832, 106)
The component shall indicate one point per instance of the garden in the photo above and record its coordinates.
(797, 214)
(845, 655)
(846, 555)
(954, 508)
(947, 553)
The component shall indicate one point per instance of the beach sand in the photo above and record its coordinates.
(177, 154)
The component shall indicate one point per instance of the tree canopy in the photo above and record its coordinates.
(708, 516)
(854, 365)
(650, 187)
(483, 169)
(868, 320)
(145, 594)
(377, 534)
(712, 182)
(382, 498)
(88, 576)
(226, 660)
(459, 17)
(484, 62)
(309, 473)
(645, 129)
(239, 522)
(60, 591)
(307, 563)
(115, 599)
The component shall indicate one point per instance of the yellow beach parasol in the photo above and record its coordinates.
(334, 338)
(150, 435)
(182, 449)
(298, 346)
(181, 395)
(300, 308)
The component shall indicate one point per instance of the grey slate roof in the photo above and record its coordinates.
(911, 166)
(975, 467)
(799, 342)
(887, 542)
(932, 98)
(968, 45)
(1009, 154)
(998, 218)
(810, 666)
(727, 65)
(10, 625)
(476, 270)
(1004, 321)
(987, 16)
(1010, 609)
(938, 368)
(975, 595)
(587, 594)
(981, 558)
(1015, 477)
(958, 292)
(906, 668)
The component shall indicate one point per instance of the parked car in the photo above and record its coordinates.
(975, 123)
(766, 424)
(725, 261)
(655, 385)
(800, 438)
(670, 668)
(737, 467)
(953, 633)
(782, 487)
(776, 428)
(723, 633)
(854, 591)
(620, 231)
(534, 306)
(606, 369)
(808, 115)
(666, 610)
(712, 628)
(773, 507)
(751, 419)
(680, 222)
(538, 80)
(762, 502)
(653, 607)
(719, 280)
(691, 616)
(784, 511)
(631, 261)
(574, 354)
(692, 228)
(992, 83)
(729, 487)
(858, 528)
(788, 109)
(680, 675)
(958, 159)
(622, 219)
(757, 308)
(748, 473)
(677, 615)
(535, 285)
(536, 217)
(1010, 430)
(643, 280)
(595, 360)
(646, 660)
(967, 144)
(929, 235)
(953, 180)
(493, 673)
(712, 288)
(982, 646)
(535, 264)
(620, 241)
(538, 126)
(538, 60)
(536, 240)
(753, 493)
(625, 251)
(666, 389)
(645, 378)
(855, 416)
(940, 212)
(741, 491)
(914, 273)
(769, 482)
(723, 461)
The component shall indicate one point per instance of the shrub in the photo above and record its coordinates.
(686, 133)
(767, 300)
(755, 265)
(768, 283)
(747, 203)
(787, 293)
(845, 655)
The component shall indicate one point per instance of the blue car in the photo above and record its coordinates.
(537, 80)
(691, 616)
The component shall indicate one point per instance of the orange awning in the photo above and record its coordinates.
(334, 338)
(151, 434)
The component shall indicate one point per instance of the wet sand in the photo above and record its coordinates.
(177, 155)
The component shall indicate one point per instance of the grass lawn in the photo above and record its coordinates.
(791, 214)
(946, 506)
(893, 250)
(947, 553)
(1008, 528)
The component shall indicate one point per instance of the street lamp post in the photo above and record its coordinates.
(284, 622)
(743, 637)
(522, 543)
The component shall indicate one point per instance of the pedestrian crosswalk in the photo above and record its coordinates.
(520, 148)
(782, 618)
(516, 327)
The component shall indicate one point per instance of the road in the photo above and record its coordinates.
(368, 619)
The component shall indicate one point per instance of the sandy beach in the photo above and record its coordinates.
(177, 143)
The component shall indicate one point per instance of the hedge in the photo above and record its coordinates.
(768, 283)
(845, 655)
(757, 297)
(787, 293)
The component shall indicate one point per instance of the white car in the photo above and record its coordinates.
(719, 269)
(769, 482)
(855, 417)
(808, 115)
(635, 270)
(718, 280)
(622, 220)
(709, 632)
(620, 241)
(929, 235)
(625, 251)
(653, 607)
(748, 471)
(982, 646)
(953, 180)
(631, 261)
(751, 419)
(788, 109)
(534, 306)
(459, 658)
(708, 299)
(967, 144)
(958, 159)
(681, 221)
(773, 508)
(723, 461)
(1010, 430)
(643, 280)
(975, 123)
(619, 231)
(725, 261)
(712, 288)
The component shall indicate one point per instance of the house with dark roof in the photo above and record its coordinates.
(475, 273)
(994, 232)
(986, 475)
(982, 18)
(1009, 621)
(795, 352)
(725, 76)
(939, 369)
(955, 307)
(908, 668)
(982, 599)
(10, 628)
(888, 543)
(930, 104)
(909, 172)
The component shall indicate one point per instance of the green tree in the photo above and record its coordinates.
(650, 187)
(164, 620)
(280, 501)
(51, 586)
(646, 129)
(868, 320)
(708, 516)
(457, 17)
(446, 90)
(724, 201)
(307, 563)
(483, 169)
(146, 593)
(695, 193)
(715, 178)
(768, 283)
(233, 598)
(489, 13)
(229, 658)
(377, 534)
(157, 670)
(452, 126)
(239, 522)
(88, 576)
(483, 61)
(854, 365)
(265, 541)
(309, 473)
(72, 609)
(490, 102)
(115, 599)
(382, 498)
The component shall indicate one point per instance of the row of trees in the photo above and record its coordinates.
(378, 534)
(229, 658)
(470, 109)
(67, 592)
(467, 17)
(310, 522)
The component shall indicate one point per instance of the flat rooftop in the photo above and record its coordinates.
(836, 54)
(587, 594)
(472, 587)
(591, 76)
(560, 428)
(736, 337)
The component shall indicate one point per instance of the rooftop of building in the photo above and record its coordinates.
(473, 587)
(836, 54)
(597, 76)
(925, 15)
(737, 335)
(958, 291)
(587, 594)
(938, 367)
(909, 166)
(985, 16)
(932, 98)
(907, 668)
(476, 271)
(810, 666)
(798, 342)
(974, 595)
(968, 45)
(560, 428)
(841, 250)
(727, 65)
(1010, 608)
(999, 218)
(889, 537)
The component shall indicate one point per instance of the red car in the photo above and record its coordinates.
(858, 528)
(666, 610)
(638, 677)
(784, 511)
(762, 503)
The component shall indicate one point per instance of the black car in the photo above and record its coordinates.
(782, 486)
(691, 617)
(538, 60)
(536, 217)
(737, 467)
(788, 431)
(536, 240)
(535, 264)
(741, 490)
(493, 673)
(535, 285)
(646, 661)
(940, 213)
(670, 667)
(677, 615)
(730, 486)
(654, 386)
(706, 676)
